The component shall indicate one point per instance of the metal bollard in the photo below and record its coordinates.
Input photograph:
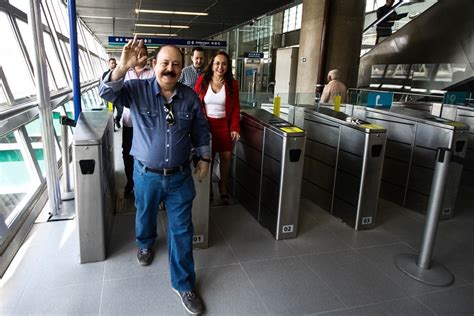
(423, 269)
(67, 192)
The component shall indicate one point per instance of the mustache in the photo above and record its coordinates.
(168, 73)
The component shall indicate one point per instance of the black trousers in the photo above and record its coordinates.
(119, 108)
(127, 136)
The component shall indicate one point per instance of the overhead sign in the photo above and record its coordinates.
(150, 41)
(379, 99)
(455, 97)
(253, 55)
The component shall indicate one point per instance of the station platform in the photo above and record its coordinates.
(328, 269)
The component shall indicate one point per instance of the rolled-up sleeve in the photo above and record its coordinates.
(111, 90)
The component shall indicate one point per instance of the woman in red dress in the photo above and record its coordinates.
(219, 94)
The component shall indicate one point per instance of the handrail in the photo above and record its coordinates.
(376, 22)
(33, 102)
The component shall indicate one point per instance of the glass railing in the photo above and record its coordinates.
(406, 11)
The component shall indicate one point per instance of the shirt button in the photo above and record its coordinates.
(167, 145)
(168, 130)
(148, 112)
(166, 160)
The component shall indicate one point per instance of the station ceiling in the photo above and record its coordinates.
(119, 17)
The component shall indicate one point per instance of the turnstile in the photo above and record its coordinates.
(465, 115)
(412, 140)
(93, 153)
(267, 168)
(200, 212)
(343, 163)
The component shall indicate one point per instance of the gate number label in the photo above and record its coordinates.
(198, 239)
(287, 229)
(367, 220)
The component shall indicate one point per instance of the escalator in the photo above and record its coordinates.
(434, 51)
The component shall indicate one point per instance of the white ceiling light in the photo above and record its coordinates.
(155, 34)
(171, 12)
(163, 25)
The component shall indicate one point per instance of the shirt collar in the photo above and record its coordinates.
(177, 89)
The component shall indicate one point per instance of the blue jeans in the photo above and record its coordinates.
(177, 192)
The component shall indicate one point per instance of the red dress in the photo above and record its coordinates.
(221, 128)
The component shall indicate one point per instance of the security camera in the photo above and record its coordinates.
(252, 22)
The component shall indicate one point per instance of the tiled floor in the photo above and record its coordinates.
(328, 269)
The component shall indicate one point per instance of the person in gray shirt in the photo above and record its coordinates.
(168, 122)
(190, 74)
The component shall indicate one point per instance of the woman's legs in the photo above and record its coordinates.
(224, 158)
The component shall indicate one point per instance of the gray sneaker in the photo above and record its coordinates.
(145, 256)
(191, 301)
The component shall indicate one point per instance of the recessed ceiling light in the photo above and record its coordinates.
(171, 12)
(163, 25)
(155, 34)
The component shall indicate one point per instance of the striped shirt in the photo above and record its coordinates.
(189, 76)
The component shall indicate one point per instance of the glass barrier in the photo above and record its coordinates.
(18, 182)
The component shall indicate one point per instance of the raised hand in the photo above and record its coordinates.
(130, 58)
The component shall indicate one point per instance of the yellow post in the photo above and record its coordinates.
(276, 105)
(337, 103)
(110, 106)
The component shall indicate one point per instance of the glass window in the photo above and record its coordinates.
(3, 96)
(292, 18)
(25, 32)
(61, 17)
(18, 181)
(13, 63)
(22, 5)
(34, 134)
(54, 61)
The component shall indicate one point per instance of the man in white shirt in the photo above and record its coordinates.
(141, 71)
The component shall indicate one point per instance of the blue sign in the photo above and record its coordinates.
(250, 72)
(253, 55)
(156, 41)
(455, 97)
(379, 99)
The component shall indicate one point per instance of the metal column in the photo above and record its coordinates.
(45, 110)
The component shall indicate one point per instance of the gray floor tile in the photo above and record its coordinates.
(288, 287)
(315, 236)
(247, 238)
(383, 258)
(218, 252)
(122, 259)
(457, 257)
(354, 280)
(405, 307)
(456, 301)
(147, 295)
(227, 291)
(81, 299)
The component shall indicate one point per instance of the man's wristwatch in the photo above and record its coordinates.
(205, 159)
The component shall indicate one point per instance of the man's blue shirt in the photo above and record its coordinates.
(156, 143)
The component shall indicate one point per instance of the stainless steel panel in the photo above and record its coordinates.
(273, 145)
(290, 186)
(319, 196)
(268, 171)
(200, 210)
(425, 133)
(94, 183)
(325, 153)
(321, 131)
(319, 173)
(336, 140)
